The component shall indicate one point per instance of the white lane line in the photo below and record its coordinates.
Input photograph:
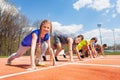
(30, 71)
(97, 65)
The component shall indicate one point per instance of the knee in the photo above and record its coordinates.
(59, 48)
(45, 45)
(17, 55)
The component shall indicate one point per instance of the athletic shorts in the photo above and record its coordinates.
(60, 39)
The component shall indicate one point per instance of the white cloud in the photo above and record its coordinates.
(114, 15)
(100, 4)
(107, 11)
(94, 4)
(66, 29)
(118, 6)
(107, 35)
(81, 3)
(112, 8)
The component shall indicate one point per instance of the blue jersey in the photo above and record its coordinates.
(28, 39)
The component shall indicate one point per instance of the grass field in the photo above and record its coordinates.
(3, 56)
(106, 53)
(112, 53)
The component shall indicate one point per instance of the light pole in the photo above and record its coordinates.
(114, 38)
(99, 26)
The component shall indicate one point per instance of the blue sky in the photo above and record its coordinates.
(64, 12)
(77, 16)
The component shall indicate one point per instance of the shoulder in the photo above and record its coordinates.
(36, 31)
(47, 35)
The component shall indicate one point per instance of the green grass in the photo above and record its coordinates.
(112, 53)
(3, 56)
(106, 53)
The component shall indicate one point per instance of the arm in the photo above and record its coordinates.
(88, 49)
(50, 50)
(49, 44)
(77, 52)
(94, 53)
(102, 51)
(33, 46)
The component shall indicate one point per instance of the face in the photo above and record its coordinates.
(45, 28)
(94, 41)
(78, 40)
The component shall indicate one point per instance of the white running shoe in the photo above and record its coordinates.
(8, 62)
(40, 64)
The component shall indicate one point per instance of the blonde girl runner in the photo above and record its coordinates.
(32, 40)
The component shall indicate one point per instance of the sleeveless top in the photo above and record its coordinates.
(28, 39)
(81, 44)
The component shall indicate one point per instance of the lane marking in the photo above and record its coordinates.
(74, 63)
(30, 71)
(103, 65)
(77, 62)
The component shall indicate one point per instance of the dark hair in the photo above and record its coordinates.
(105, 45)
(94, 38)
(81, 36)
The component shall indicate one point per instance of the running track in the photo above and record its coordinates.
(107, 68)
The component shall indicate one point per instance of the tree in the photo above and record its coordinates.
(12, 29)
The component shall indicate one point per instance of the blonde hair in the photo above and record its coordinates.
(48, 22)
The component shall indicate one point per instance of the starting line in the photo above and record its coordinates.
(74, 63)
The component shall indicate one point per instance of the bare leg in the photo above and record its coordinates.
(59, 48)
(19, 53)
(70, 42)
(43, 49)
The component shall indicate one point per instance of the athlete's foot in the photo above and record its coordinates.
(32, 68)
(71, 60)
(8, 62)
(82, 56)
(44, 58)
(36, 60)
(40, 64)
(64, 55)
(101, 56)
(81, 59)
(54, 62)
(56, 59)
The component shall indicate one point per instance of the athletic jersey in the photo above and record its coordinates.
(81, 44)
(88, 42)
(28, 39)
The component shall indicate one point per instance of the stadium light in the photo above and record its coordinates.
(114, 38)
(99, 26)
